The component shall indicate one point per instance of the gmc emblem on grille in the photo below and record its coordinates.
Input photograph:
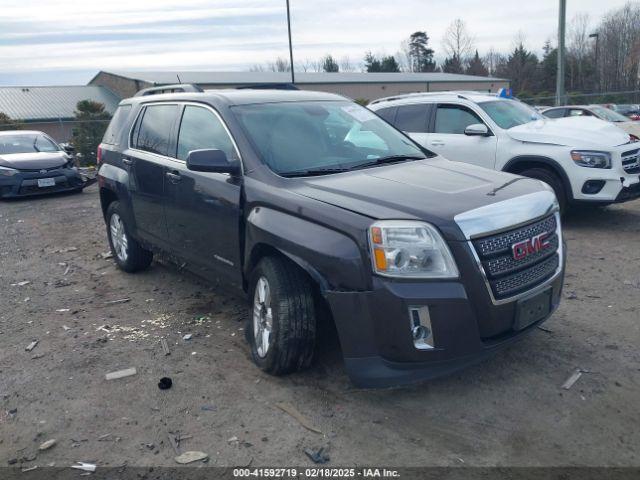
(522, 250)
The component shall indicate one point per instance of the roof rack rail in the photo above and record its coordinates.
(269, 86)
(176, 88)
(458, 93)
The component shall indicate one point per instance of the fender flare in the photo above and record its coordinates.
(549, 162)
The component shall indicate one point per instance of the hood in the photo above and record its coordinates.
(579, 132)
(34, 161)
(433, 190)
(630, 127)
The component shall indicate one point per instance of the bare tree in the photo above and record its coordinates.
(346, 65)
(579, 51)
(492, 60)
(279, 65)
(457, 42)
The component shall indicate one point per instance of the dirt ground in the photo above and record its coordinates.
(507, 411)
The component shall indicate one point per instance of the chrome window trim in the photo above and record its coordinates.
(180, 103)
(538, 288)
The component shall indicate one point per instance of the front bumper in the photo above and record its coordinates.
(25, 183)
(375, 334)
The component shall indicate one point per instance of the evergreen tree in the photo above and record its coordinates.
(477, 67)
(329, 64)
(92, 123)
(420, 55)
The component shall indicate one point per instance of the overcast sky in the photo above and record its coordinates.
(68, 41)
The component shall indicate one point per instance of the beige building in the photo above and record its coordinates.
(364, 86)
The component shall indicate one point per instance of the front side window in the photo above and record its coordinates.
(412, 118)
(454, 119)
(297, 138)
(509, 113)
(610, 115)
(26, 143)
(201, 129)
(154, 132)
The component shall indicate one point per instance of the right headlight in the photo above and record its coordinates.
(411, 249)
(7, 172)
(591, 159)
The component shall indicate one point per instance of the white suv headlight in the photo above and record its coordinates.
(402, 248)
(7, 172)
(591, 159)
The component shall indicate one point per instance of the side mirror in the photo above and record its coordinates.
(67, 147)
(477, 130)
(211, 160)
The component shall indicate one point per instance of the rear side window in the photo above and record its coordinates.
(412, 118)
(557, 113)
(579, 112)
(454, 119)
(154, 133)
(112, 135)
(201, 129)
(389, 114)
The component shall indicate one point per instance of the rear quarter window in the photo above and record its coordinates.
(114, 130)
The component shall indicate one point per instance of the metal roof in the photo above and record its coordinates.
(52, 103)
(248, 78)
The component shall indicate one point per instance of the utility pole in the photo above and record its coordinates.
(562, 18)
(293, 78)
(597, 37)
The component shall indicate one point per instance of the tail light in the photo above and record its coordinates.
(634, 117)
(99, 154)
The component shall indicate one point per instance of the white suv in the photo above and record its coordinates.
(582, 159)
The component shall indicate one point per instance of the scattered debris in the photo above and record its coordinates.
(63, 310)
(67, 250)
(65, 328)
(318, 456)
(165, 383)
(302, 420)
(30, 469)
(208, 408)
(37, 356)
(66, 270)
(577, 373)
(187, 336)
(106, 255)
(233, 440)
(115, 302)
(544, 329)
(104, 437)
(127, 372)
(150, 446)
(165, 346)
(572, 296)
(31, 346)
(87, 467)
(174, 444)
(48, 444)
(189, 457)
(21, 284)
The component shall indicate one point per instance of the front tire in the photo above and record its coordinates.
(282, 322)
(551, 179)
(127, 252)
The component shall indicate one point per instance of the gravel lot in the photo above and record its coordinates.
(508, 411)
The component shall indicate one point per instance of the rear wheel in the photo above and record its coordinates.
(127, 252)
(551, 179)
(282, 323)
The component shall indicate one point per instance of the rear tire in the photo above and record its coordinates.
(551, 179)
(281, 329)
(127, 252)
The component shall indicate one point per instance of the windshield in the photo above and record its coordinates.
(26, 143)
(322, 137)
(509, 113)
(610, 115)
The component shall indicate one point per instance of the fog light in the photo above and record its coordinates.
(591, 187)
(421, 330)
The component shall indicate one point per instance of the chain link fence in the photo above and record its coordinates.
(576, 98)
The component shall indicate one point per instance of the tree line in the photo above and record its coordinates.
(602, 57)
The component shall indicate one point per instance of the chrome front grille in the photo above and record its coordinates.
(631, 161)
(508, 276)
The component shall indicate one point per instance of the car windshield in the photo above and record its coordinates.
(509, 113)
(26, 143)
(608, 114)
(316, 138)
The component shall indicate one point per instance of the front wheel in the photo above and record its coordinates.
(128, 253)
(282, 324)
(551, 179)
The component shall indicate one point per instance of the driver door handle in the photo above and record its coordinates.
(174, 177)
(127, 161)
(437, 143)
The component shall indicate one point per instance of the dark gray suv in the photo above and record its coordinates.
(317, 208)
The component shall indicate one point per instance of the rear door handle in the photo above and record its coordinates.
(173, 177)
(127, 161)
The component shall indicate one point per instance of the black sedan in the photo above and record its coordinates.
(31, 163)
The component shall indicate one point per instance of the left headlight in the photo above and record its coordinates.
(591, 159)
(402, 248)
(7, 172)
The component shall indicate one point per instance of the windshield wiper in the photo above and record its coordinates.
(388, 159)
(313, 172)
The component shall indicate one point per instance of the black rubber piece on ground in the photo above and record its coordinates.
(293, 334)
(165, 383)
(138, 257)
